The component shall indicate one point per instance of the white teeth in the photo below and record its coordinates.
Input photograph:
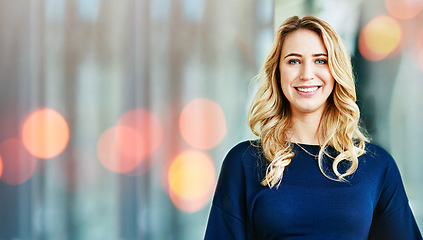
(309, 89)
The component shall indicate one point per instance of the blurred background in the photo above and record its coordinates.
(115, 116)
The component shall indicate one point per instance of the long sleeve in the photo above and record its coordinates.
(222, 225)
(393, 218)
(398, 224)
(227, 219)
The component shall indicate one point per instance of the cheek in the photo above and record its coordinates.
(326, 76)
(331, 83)
(285, 85)
(286, 80)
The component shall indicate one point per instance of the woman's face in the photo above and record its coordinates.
(305, 76)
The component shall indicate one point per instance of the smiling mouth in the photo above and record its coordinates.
(307, 89)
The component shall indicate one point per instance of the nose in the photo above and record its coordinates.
(307, 72)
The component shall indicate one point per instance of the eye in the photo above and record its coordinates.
(294, 61)
(321, 61)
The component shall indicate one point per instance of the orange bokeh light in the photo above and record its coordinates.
(404, 9)
(45, 133)
(202, 124)
(17, 163)
(379, 38)
(189, 205)
(191, 180)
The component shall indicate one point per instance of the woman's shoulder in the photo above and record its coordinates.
(379, 155)
(246, 145)
(244, 151)
(376, 150)
(241, 163)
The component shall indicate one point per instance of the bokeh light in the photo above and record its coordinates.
(421, 60)
(419, 47)
(1, 166)
(116, 149)
(202, 124)
(404, 9)
(17, 163)
(45, 133)
(420, 39)
(379, 38)
(148, 126)
(191, 180)
(127, 148)
(9, 123)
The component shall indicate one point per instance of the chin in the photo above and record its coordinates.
(311, 109)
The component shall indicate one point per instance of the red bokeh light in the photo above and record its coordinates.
(420, 39)
(18, 164)
(115, 149)
(421, 60)
(1, 166)
(127, 148)
(404, 9)
(148, 127)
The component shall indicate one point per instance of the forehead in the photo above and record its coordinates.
(304, 42)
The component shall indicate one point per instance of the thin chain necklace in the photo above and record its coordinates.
(313, 155)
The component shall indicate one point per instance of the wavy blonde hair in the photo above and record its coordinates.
(270, 115)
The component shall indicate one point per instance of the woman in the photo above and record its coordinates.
(312, 174)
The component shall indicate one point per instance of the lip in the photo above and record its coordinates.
(307, 91)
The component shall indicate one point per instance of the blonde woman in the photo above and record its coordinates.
(312, 174)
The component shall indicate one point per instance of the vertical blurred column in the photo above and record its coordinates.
(19, 82)
(203, 52)
(134, 186)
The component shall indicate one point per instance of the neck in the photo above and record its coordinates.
(304, 128)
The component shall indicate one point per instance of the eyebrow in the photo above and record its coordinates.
(299, 55)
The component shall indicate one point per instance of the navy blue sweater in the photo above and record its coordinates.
(307, 205)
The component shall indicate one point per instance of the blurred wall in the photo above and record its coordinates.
(116, 115)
